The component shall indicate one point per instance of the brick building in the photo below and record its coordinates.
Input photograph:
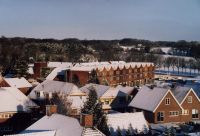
(163, 105)
(20, 83)
(158, 105)
(16, 110)
(114, 72)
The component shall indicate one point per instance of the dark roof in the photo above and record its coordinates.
(101, 89)
(180, 93)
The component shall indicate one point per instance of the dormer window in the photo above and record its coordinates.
(47, 95)
(189, 99)
(38, 94)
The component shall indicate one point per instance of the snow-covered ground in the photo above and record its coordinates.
(185, 73)
(186, 58)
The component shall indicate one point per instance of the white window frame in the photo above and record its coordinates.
(38, 92)
(124, 72)
(135, 76)
(107, 102)
(185, 112)
(173, 113)
(163, 115)
(167, 101)
(117, 73)
(189, 99)
(130, 71)
(130, 76)
(194, 112)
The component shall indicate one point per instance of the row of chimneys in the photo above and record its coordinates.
(173, 86)
(86, 120)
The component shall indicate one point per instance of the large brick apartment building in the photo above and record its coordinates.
(114, 72)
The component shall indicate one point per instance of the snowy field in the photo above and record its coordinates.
(184, 73)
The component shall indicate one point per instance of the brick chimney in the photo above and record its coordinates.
(86, 120)
(174, 85)
(50, 109)
(153, 86)
(19, 76)
(193, 81)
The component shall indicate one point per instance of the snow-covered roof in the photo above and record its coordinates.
(89, 68)
(113, 92)
(8, 76)
(55, 72)
(60, 64)
(35, 83)
(180, 93)
(13, 100)
(100, 89)
(161, 127)
(195, 86)
(39, 133)
(31, 69)
(63, 125)
(147, 98)
(18, 83)
(125, 121)
(126, 89)
(55, 86)
(77, 101)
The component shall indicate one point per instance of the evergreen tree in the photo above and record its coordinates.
(90, 104)
(93, 78)
(150, 131)
(104, 82)
(94, 106)
(135, 132)
(76, 81)
(20, 68)
(119, 132)
(166, 132)
(128, 132)
(172, 132)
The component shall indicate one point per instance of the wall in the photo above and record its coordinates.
(37, 67)
(166, 108)
(3, 83)
(194, 105)
(24, 90)
(83, 76)
(124, 77)
(18, 122)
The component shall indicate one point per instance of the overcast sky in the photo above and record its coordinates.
(155, 20)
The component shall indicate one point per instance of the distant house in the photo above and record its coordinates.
(125, 121)
(128, 90)
(54, 124)
(46, 89)
(159, 105)
(189, 101)
(111, 98)
(21, 83)
(15, 109)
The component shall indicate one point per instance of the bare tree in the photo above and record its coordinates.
(191, 64)
(197, 61)
(168, 62)
(64, 104)
(159, 60)
(182, 63)
(177, 63)
(173, 62)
